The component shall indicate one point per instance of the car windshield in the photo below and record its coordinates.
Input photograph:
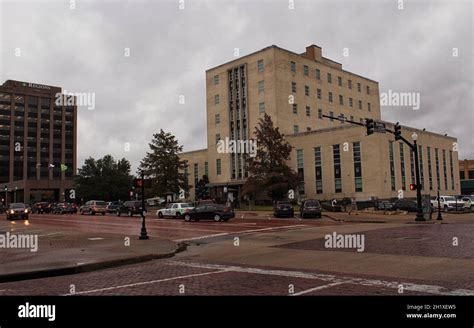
(186, 205)
(450, 199)
(100, 203)
(17, 205)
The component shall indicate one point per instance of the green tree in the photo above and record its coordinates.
(163, 165)
(104, 179)
(268, 171)
(202, 191)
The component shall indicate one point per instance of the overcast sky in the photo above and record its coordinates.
(82, 50)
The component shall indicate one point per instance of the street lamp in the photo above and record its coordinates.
(143, 233)
(419, 208)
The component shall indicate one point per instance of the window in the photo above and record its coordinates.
(461, 175)
(341, 100)
(319, 93)
(296, 129)
(438, 178)
(470, 174)
(218, 137)
(349, 84)
(451, 169)
(308, 111)
(445, 171)
(217, 99)
(218, 118)
(306, 90)
(422, 175)
(336, 153)
(196, 173)
(320, 113)
(358, 87)
(430, 171)
(218, 167)
(330, 96)
(318, 167)
(318, 74)
(402, 166)
(293, 66)
(412, 167)
(329, 78)
(350, 102)
(360, 104)
(369, 107)
(261, 86)
(356, 154)
(293, 87)
(305, 70)
(367, 88)
(216, 79)
(206, 168)
(300, 168)
(392, 165)
(260, 66)
(332, 115)
(295, 109)
(339, 81)
(261, 107)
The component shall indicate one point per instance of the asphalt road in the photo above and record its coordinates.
(258, 255)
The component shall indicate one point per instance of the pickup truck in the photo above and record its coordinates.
(448, 203)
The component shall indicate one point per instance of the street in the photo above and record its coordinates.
(256, 254)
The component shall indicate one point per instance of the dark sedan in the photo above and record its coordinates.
(209, 212)
(310, 208)
(64, 208)
(17, 211)
(405, 205)
(283, 209)
(42, 207)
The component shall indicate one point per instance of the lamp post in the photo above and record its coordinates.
(419, 207)
(14, 194)
(439, 218)
(143, 233)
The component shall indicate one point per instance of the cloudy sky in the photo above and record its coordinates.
(426, 47)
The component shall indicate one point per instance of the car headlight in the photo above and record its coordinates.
(12, 212)
(26, 210)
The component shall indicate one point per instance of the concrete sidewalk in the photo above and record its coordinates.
(70, 252)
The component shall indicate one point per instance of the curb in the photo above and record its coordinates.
(353, 221)
(88, 267)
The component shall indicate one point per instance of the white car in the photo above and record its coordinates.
(175, 210)
(448, 203)
(468, 202)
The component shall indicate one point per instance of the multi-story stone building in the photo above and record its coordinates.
(335, 159)
(37, 142)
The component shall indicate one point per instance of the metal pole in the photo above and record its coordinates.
(419, 210)
(439, 209)
(143, 233)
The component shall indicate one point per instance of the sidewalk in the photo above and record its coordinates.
(371, 217)
(70, 252)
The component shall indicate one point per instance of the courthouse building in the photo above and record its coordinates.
(334, 159)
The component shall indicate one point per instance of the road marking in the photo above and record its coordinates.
(427, 289)
(95, 238)
(317, 288)
(145, 283)
(243, 232)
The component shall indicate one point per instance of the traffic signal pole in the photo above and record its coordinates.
(143, 233)
(370, 124)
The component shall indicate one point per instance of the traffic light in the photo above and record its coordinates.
(397, 131)
(370, 125)
(412, 186)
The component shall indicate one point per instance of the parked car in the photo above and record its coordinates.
(42, 208)
(113, 206)
(63, 208)
(448, 203)
(130, 207)
(468, 202)
(405, 205)
(17, 211)
(214, 212)
(174, 210)
(283, 208)
(384, 205)
(309, 208)
(92, 207)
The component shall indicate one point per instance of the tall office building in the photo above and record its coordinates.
(334, 159)
(38, 139)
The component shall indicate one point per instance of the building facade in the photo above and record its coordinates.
(336, 159)
(37, 142)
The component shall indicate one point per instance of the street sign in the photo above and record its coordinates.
(138, 183)
(379, 127)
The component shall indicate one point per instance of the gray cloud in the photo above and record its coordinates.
(82, 50)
